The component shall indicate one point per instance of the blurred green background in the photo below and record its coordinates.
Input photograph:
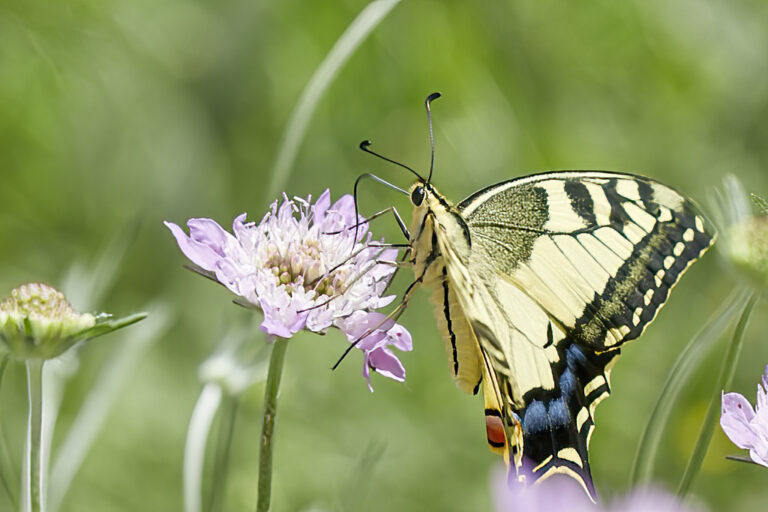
(115, 116)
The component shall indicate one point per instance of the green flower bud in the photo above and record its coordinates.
(745, 240)
(748, 248)
(37, 322)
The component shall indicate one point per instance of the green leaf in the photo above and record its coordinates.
(109, 325)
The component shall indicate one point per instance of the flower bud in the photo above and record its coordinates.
(37, 322)
(748, 249)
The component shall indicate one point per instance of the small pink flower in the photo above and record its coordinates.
(305, 269)
(560, 492)
(746, 427)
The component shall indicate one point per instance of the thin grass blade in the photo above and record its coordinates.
(345, 46)
(723, 382)
(688, 360)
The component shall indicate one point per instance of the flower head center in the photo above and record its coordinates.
(37, 299)
(301, 266)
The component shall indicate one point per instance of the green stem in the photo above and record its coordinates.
(268, 426)
(36, 480)
(724, 381)
(216, 500)
(5, 469)
(689, 358)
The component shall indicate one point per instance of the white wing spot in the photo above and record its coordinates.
(679, 248)
(581, 418)
(628, 189)
(665, 214)
(648, 296)
(658, 277)
(615, 335)
(669, 261)
(633, 232)
(613, 240)
(601, 205)
(699, 224)
(594, 384)
(571, 455)
(667, 196)
(543, 463)
(641, 217)
(562, 216)
(688, 235)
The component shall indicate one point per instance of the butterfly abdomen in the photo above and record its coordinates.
(461, 348)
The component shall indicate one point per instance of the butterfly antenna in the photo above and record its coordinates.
(427, 102)
(354, 197)
(365, 147)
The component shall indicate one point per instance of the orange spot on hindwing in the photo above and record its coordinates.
(494, 429)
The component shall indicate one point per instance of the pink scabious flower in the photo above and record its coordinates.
(306, 267)
(560, 492)
(746, 427)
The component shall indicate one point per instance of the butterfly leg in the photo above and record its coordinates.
(392, 316)
(376, 215)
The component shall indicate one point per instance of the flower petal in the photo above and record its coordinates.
(400, 338)
(321, 206)
(360, 322)
(197, 252)
(239, 226)
(759, 456)
(209, 233)
(383, 361)
(735, 420)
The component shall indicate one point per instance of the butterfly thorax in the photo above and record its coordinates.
(436, 227)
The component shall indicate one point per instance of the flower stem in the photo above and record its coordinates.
(35, 389)
(268, 426)
(5, 467)
(724, 380)
(221, 457)
(194, 450)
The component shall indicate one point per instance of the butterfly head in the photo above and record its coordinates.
(418, 193)
(425, 198)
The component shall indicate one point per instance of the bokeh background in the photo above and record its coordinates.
(115, 116)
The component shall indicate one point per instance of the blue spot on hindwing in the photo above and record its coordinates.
(535, 419)
(568, 383)
(558, 413)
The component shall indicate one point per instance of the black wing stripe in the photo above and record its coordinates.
(449, 321)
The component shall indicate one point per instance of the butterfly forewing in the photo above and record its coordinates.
(597, 251)
(546, 277)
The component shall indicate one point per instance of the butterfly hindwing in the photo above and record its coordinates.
(547, 276)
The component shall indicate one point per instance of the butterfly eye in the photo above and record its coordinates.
(417, 196)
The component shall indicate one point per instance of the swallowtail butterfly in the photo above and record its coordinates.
(538, 282)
